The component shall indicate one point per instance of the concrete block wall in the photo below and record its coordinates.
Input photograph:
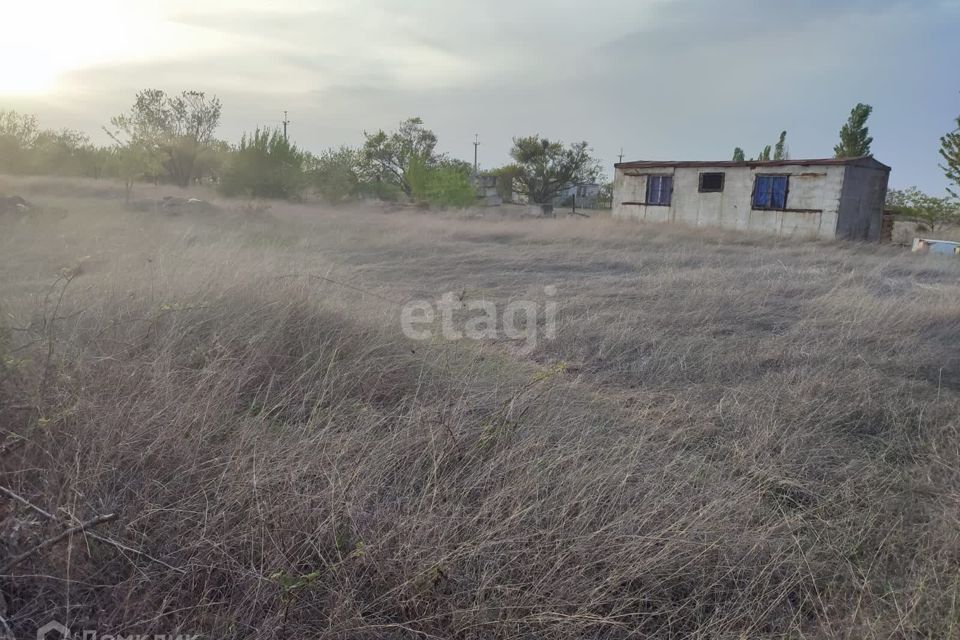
(813, 199)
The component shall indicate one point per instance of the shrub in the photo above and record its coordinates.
(445, 185)
(334, 174)
(932, 211)
(266, 165)
(449, 187)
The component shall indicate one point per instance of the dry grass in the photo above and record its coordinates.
(905, 232)
(744, 438)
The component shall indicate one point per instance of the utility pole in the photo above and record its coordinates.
(286, 121)
(476, 143)
(621, 154)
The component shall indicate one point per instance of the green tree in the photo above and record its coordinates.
(933, 211)
(417, 175)
(97, 162)
(446, 184)
(20, 127)
(335, 174)
(739, 155)
(134, 162)
(544, 168)
(64, 152)
(449, 186)
(780, 150)
(212, 161)
(135, 156)
(855, 137)
(950, 151)
(765, 154)
(266, 165)
(174, 128)
(506, 177)
(387, 157)
(18, 133)
(25, 148)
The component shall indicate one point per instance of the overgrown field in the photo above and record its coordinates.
(730, 437)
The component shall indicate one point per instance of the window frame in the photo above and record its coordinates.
(659, 203)
(786, 192)
(723, 181)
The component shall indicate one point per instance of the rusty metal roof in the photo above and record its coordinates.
(656, 164)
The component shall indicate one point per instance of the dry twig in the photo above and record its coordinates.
(92, 522)
(95, 536)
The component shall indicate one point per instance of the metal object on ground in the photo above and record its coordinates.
(929, 245)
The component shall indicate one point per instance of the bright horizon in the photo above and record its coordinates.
(680, 80)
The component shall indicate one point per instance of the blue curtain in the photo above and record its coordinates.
(779, 199)
(659, 189)
(770, 192)
(653, 190)
(761, 192)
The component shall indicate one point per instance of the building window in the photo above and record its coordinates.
(659, 190)
(770, 192)
(711, 182)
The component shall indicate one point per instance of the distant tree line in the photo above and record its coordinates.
(162, 138)
(931, 211)
(775, 152)
(25, 148)
(171, 139)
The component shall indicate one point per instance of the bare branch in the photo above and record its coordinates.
(92, 522)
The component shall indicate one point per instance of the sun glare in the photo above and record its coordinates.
(18, 78)
(55, 37)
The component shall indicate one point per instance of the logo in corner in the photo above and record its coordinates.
(53, 630)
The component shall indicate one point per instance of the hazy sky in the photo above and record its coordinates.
(663, 79)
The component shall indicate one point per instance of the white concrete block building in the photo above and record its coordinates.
(829, 198)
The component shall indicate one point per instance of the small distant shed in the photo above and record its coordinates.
(826, 198)
(585, 194)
